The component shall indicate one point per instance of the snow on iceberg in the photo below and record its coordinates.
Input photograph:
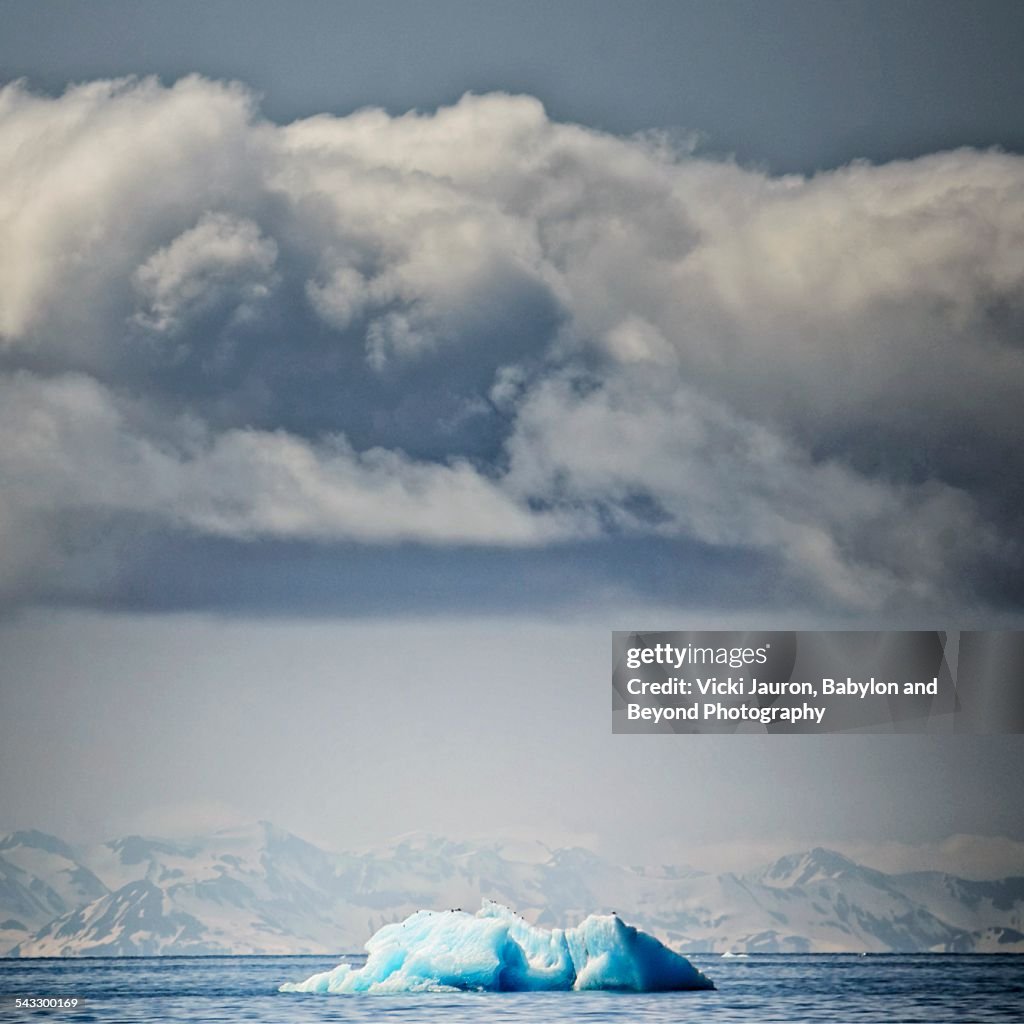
(495, 950)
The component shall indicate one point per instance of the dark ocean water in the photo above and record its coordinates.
(849, 989)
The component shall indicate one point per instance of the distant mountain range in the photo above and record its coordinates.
(261, 889)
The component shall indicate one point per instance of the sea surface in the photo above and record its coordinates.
(760, 988)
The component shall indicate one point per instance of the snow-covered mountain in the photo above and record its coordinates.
(40, 878)
(261, 889)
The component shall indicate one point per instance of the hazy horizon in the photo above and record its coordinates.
(972, 857)
(350, 733)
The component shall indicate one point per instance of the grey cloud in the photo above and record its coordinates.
(722, 479)
(482, 327)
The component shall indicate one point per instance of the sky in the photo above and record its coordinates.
(363, 365)
(792, 85)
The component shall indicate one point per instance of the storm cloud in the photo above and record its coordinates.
(478, 328)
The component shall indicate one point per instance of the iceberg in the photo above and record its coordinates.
(496, 950)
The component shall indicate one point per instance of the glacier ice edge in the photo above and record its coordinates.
(496, 950)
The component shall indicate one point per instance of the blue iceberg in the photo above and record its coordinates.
(495, 950)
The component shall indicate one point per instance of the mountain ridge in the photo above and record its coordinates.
(260, 889)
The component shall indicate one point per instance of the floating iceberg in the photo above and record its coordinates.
(495, 950)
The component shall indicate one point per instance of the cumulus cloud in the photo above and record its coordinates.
(482, 327)
(221, 264)
(95, 183)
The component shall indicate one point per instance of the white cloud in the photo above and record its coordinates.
(74, 455)
(222, 262)
(823, 370)
(95, 182)
(341, 298)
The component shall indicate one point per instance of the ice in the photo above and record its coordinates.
(495, 950)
